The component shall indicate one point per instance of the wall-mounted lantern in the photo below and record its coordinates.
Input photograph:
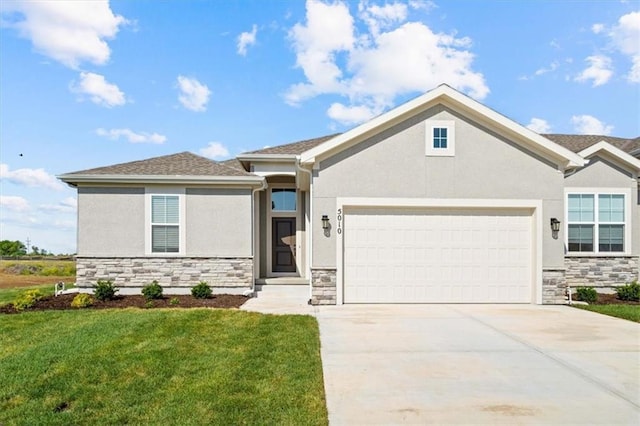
(555, 227)
(325, 222)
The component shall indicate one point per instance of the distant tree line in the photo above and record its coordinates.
(18, 248)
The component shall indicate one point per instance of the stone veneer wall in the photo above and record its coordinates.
(323, 286)
(554, 287)
(601, 271)
(168, 271)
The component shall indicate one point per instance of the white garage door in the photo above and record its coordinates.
(408, 255)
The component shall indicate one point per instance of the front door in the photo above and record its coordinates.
(283, 246)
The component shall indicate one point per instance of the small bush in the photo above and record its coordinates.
(174, 301)
(82, 300)
(587, 294)
(629, 292)
(152, 291)
(201, 291)
(27, 299)
(104, 290)
(149, 304)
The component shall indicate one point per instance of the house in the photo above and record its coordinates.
(441, 199)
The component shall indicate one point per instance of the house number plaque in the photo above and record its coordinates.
(339, 217)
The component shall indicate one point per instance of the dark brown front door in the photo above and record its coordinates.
(283, 246)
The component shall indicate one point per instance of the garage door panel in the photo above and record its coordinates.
(450, 256)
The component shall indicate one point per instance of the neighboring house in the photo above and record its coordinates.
(438, 200)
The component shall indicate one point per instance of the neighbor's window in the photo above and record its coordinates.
(283, 199)
(165, 224)
(596, 222)
(440, 138)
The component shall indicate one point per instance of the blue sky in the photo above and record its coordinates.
(87, 84)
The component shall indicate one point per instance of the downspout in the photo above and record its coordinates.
(253, 232)
(309, 232)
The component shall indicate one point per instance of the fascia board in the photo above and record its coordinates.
(619, 154)
(267, 157)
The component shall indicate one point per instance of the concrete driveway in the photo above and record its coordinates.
(478, 364)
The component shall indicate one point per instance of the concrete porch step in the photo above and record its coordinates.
(282, 281)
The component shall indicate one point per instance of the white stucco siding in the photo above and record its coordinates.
(111, 221)
(394, 164)
(218, 222)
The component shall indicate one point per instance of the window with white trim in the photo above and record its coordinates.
(165, 224)
(596, 222)
(440, 138)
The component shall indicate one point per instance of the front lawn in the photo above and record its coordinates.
(8, 295)
(628, 312)
(195, 366)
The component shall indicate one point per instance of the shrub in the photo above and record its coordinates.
(82, 300)
(174, 301)
(629, 292)
(587, 294)
(152, 291)
(27, 299)
(201, 291)
(104, 290)
(149, 304)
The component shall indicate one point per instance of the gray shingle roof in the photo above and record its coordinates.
(181, 164)
(294, 148)
(577, 143)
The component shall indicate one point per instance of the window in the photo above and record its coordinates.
(596, 222)
(165, 224)
(283, 199)
(440, 138)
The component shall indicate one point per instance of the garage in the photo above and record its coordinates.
(437, 255)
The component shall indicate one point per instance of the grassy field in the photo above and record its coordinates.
(196, 366)
(28, 273)
(628, 312)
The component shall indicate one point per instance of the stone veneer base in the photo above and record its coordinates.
(323, 286)
(600, 272)
(554, 287)
(170, 272)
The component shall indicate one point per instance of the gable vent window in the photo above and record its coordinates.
(440, 138)
(165, 224)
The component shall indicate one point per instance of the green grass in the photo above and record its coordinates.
(628, 312)
(8, 295)
(191, 366)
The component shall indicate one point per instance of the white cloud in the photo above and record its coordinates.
(351, 115)
(626, 38)
(215, 150)
(194, 95)
(599, 71)
(382, 17)
(597, 28)
(14, 203)
(30, 177)
(589, 125)
(426, 5)
(552, 67)
(131, 136)
(70, 32)
(539, 125)
(246, 39)
(99, 90)
(391, 58)
(68, 205)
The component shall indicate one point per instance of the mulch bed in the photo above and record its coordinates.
(63, 302)
(608, 299)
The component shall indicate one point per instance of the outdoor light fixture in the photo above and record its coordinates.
(555, 227)
(325, 222)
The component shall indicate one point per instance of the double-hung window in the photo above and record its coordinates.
(165, 222)
(596, 222)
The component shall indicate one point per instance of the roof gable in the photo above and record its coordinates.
(455, 100)
(577, 143)
(609, 150)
